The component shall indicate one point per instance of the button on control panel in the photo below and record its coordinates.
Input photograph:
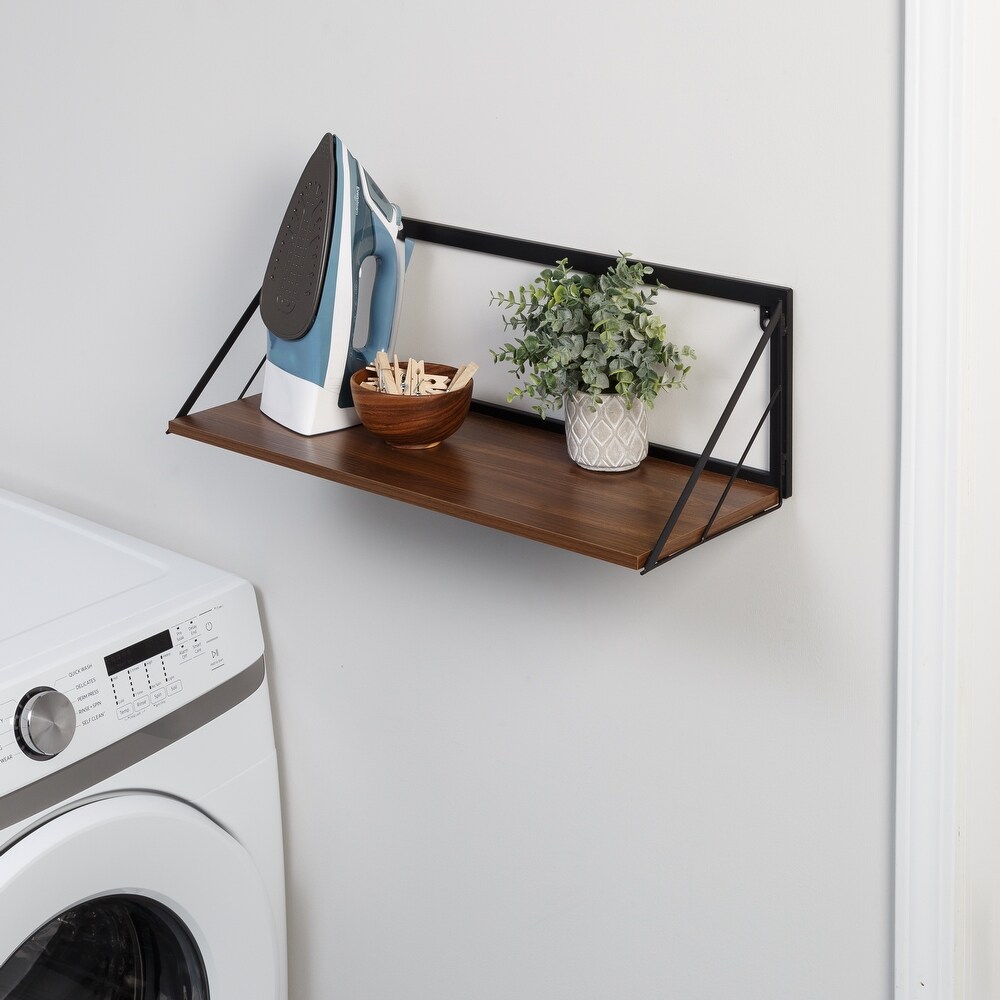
(150, 673)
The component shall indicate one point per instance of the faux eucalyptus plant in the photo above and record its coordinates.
(596, 335)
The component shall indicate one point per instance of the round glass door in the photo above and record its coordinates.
(137, 896)
(111, 948)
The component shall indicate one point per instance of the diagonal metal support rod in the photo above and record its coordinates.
(772, 327)
(718, 534)
(220, 356)
(738, 468)
(256, 372)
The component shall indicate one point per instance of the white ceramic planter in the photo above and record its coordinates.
(610, 438)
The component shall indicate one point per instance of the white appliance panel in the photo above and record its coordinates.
(55, 566)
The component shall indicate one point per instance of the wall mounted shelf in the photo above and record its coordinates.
(506, 470)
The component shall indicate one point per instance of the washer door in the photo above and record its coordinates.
(134, 897)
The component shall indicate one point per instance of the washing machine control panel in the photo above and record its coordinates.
(149, 672)
(88, 702)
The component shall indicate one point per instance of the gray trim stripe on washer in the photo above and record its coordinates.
(110, 760)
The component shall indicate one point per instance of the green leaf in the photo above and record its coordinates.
(589, 332)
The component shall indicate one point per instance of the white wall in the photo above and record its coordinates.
(587, 783)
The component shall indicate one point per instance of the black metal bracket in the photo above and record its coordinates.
(774, 303)
(778, 391)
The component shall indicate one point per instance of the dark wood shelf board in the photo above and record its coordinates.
(502, 474)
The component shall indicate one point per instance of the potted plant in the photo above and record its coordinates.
(595, 344)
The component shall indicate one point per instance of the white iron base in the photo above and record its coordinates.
(303, 406)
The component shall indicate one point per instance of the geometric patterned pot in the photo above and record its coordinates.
(610, 438)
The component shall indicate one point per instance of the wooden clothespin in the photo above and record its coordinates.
(463, 376)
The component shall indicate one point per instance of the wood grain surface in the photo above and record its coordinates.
(506, 475)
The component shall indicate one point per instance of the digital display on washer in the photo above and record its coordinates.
(137, 652)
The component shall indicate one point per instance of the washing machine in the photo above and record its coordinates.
(140, 825)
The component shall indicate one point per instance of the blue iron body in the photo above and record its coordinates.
(313, 301)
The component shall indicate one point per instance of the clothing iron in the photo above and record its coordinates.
(338, 236)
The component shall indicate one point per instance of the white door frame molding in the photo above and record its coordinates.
(934, 274)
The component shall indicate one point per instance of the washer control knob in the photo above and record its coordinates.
(46, 722)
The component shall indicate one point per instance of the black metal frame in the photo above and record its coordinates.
(773, 301)
(775, 305)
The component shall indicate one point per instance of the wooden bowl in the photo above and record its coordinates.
(412, 421)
